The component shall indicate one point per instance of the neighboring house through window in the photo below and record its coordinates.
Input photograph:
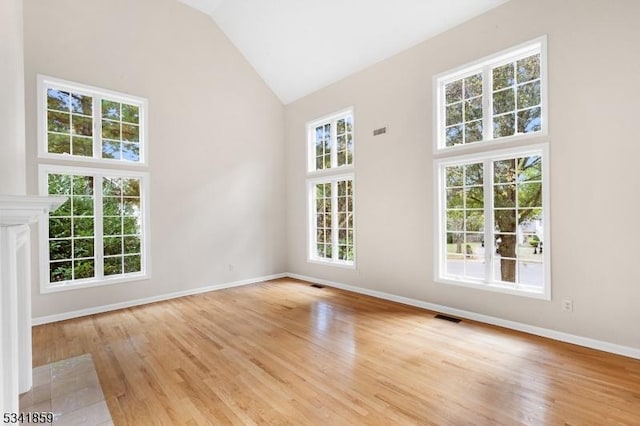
(492, 175)
(92, 148)
(330, 190)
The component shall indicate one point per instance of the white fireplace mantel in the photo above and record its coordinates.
(16, 213)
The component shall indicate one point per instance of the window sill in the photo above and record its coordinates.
(337, 263)
(80, 284)
(537, 293)
(514, 141)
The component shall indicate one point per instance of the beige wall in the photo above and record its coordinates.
(593, 73)
(215, 138)
(12, 152)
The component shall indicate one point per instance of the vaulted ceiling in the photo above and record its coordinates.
(300, 46)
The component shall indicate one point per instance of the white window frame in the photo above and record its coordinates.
(331, 175)
(488, 150)
(46, 82)
(440, 224)
(311, 242)
(99, 279)
(485, 65)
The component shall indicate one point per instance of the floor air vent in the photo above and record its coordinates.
(317, 285)
(446, 318)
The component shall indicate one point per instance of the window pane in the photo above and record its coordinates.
(131, 226)
(84, 268)
(505, 270)
(528, 68)
(112, 186)
(474, 221)
(60, 249)
(112, 246)
(83, 226)
(504, 171)
(473, 174)
(110, 110)
(505, 220)
(473, 86)
(454, 135)
(473, 132)
(455, 220)
(504, 195)
(82, 126)
(132, 264)
(504, 101)
(530, 222)
(60, 271)
(503, 77)
(131, 206)
(113, 265)
(111, 130)
(59, 144)
(82, 206)
(58, 122)
(454, 114)
(455, 263)
(454, 175)
(130, 133)
(530, 194)
(504, 125)
(529, 168)
(111, 206)
(82, 146)
(453, 92)
(131, 187)
(58, 100)
(82, 185)
(531, 273)
(473, 109)
(474, 197)
(529, 120)
(111, 149)
(59, 227)
(112, 225)
(454, 198)
(131, 151)
(529, 95)
(131, 245)
(130, 114)
(83, 247)
(81, 104)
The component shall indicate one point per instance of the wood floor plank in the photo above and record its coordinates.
(283, 352)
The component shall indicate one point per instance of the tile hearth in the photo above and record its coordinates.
(70, 390)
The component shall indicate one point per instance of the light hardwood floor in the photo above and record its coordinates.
(283, 352)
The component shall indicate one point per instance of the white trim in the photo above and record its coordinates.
(137, 302)
(44, 82)
(330, 175)
(486, 319)
(311, 220)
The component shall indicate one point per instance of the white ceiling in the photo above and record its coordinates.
(300, 46)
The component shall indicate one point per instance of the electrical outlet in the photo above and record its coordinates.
(230, 267)
(567, 305)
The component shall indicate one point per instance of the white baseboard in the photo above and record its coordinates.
(538, 331)
(526, 328)
(106, 308)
